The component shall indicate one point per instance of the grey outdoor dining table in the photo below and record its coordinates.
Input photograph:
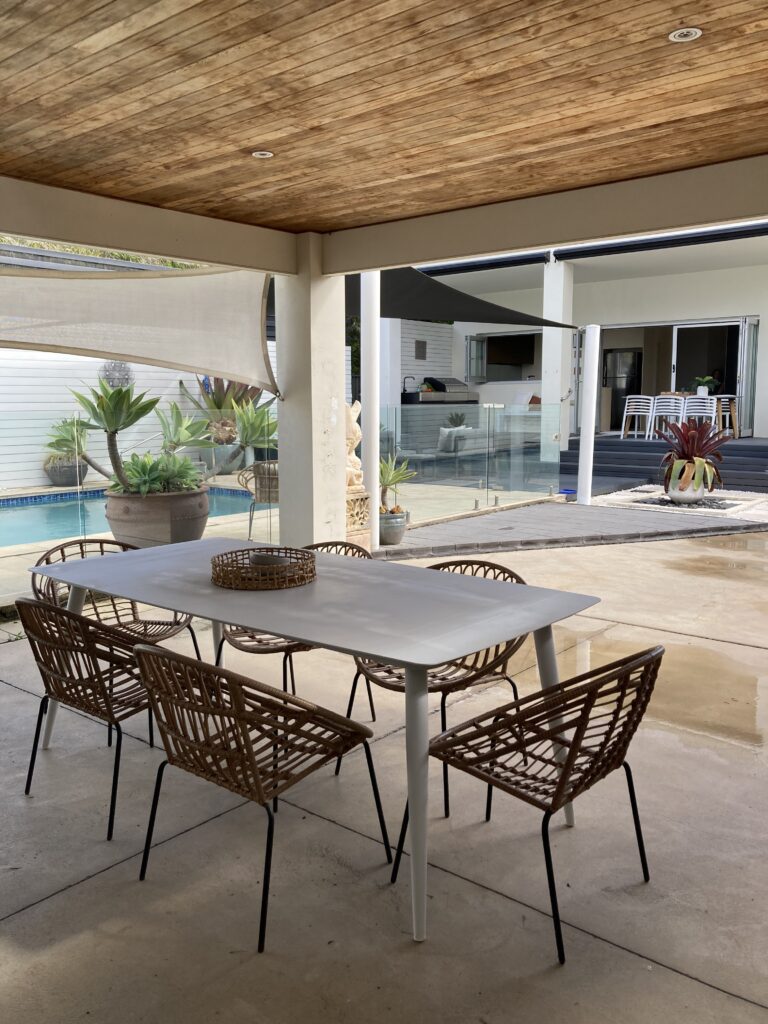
(395, 613)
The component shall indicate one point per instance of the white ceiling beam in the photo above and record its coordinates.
(63, 215)
(720, 193)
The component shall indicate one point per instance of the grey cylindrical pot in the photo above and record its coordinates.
(392, 527)
(158, 518)
(66, 474)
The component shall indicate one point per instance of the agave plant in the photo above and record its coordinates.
(391, 474)
(218, 395)
(180, 431)
(147, 474)
(112, 410)
(254, 427)
(694, 448)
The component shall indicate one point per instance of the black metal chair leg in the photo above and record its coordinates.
(41, 712)
(265, 883)
(636, 818)
(195, 644)
(109, 735)
(488, 802)
(285, 673)
(513, 684)
(370, 700)
(377, 801)
(552, 888)
(219, 649)
(293, 674)
(400, 844)
(151, 727)
(115, 778)
(348, 714)
(443, 727)
(151, 824)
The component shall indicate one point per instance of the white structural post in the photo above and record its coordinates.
(557, 304)
(370, 366)
(588, 401)
(311, 419)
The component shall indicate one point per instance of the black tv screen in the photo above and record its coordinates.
(511, 349)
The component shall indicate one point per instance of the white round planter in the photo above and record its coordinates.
(687, 497)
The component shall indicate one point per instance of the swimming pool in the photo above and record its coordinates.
(55, 516)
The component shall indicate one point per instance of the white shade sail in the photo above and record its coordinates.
(210, 321)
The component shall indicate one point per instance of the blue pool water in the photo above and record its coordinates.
(50, 518)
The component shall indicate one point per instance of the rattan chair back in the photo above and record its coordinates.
(466, 671)
(109, 610)
(550, 747)
(247, 737)
(339, 547)
(84, 665)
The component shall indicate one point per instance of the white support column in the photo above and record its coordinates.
(390, 361)
(370, 364)
(311, 420)
(556, 353)
(588, 404)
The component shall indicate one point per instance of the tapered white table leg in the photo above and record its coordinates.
(417, 756)
(549, 676)
(218, 635)
(75, 603)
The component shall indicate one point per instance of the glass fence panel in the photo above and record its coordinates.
(468, 457)
(49, 495)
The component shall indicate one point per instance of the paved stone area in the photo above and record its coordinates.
(558, 524)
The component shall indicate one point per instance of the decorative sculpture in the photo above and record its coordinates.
(354, 436)
(358, 499)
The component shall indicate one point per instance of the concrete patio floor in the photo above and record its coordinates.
(82, 939)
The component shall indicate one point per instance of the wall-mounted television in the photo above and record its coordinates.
(511, 349)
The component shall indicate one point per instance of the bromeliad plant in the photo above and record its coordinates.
(694, 448)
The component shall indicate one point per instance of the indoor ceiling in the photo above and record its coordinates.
(375, 110)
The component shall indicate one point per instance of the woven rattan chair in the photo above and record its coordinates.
(482, 667)
(254, 642)
(250, 739)
(551, 747)
(86, 666)
(111, 611)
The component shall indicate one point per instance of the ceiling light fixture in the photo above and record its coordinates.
(685, 35)
(262, 154)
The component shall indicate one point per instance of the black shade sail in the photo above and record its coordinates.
(408, 294)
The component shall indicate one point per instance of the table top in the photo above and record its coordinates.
(400, 614)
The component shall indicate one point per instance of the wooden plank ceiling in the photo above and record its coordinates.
(375, 109)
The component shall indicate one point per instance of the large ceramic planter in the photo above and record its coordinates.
(392, 527)
(66, 474)
(158, 518)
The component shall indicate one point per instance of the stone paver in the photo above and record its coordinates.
(557, 524)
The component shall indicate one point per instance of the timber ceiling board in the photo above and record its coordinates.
(376, 109)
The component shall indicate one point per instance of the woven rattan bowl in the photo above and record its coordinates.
(263, 568)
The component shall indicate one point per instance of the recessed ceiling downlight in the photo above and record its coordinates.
(262, 154)
(685, 35)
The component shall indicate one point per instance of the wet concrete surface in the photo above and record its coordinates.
(86, 941)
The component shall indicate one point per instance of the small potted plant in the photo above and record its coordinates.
(393, 521)
(704, 386)
(694, 448)
(67, 464)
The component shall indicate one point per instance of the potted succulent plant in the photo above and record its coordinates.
(694, 448)
(67, 464)
(393, 521)
(150, 500)
(217, 401)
